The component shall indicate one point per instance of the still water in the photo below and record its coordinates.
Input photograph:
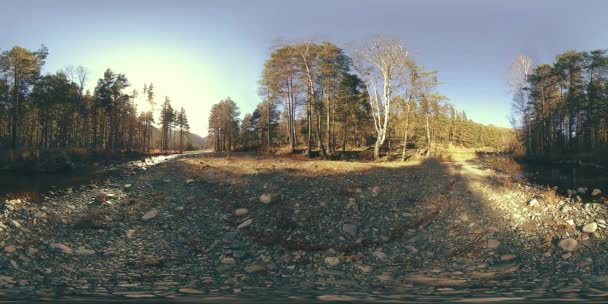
(34, 184)
(564, 176)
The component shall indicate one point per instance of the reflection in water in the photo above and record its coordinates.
(564, 176)
(31, 185)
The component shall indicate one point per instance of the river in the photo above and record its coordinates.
(34, 184)
(564, 176)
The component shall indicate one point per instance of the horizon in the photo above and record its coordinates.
(198, 53)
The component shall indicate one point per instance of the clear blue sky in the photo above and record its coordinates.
(198, 52)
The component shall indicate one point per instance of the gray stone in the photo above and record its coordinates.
(150, 215)
(61, 247)
(350, 229)
(84, 252)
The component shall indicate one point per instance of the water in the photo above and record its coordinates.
(563, 176)
(32, 185)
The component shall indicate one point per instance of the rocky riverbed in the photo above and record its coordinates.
(245, 228)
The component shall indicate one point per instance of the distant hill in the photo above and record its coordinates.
(198, 142)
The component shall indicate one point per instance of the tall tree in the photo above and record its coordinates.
(382, 63)
(22, 68)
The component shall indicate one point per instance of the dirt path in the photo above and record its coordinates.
(243, 228)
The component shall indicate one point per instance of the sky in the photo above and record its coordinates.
(199, 52)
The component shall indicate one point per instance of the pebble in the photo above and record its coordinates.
(265, 198)
(84, 252)
(379, 254)
(14, 264)
(245, 224)
(568, 244)
(228, 261)
(533, 202)
(129, 233)
(332, 261)
(596, 192)
(241, 211)
(40, 214)
(150, 215)
(566, 255)
(492, 243)
(507, 257)
(350, 229)
(365, 268)
(63, 248)
(253, 268)
(590, 228)
(9, 249)
(190, 291)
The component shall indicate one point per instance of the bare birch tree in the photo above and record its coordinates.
(382, 64)
(517, 81)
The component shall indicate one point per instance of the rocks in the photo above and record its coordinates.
(190, 291)
(245, 224)
(129, 233)
(14, 264)
(379, 254)
(507, 257)
(596, 192)
(350, 229)
(332, 261)
(9, 249)
(127, 186)
(266, 198)
(412, 249)
(241, 211)
(150, 215)
(566, 255)
(581, 190)
(40, 214)
(533, 202)
(570, 222)
(189, 181)
(101, 197)
(568, 244)
(84, 252)
(14, 224)
(590, 228)
(228, 260)
(61, 247)
(493, 244)
(365, 268)
(253, 268)
(4, 280)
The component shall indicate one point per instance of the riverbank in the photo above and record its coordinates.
(273, 228)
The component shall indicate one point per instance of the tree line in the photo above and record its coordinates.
(53, 111)
(561, 109)
(316, 97)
